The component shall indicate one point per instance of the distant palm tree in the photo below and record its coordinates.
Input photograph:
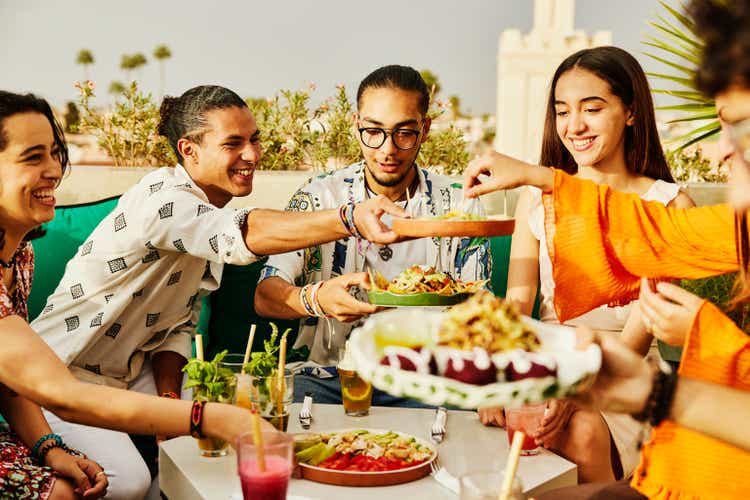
(161, 54)
(116, 87)
(130, 62)
(85, 58)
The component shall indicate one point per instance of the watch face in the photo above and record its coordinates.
(385, 252)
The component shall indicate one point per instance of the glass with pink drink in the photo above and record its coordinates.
(525, 418)
(267, 479)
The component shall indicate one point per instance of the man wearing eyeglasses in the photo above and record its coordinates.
(323, 285)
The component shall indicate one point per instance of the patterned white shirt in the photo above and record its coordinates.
(469, 259)
(132, 286)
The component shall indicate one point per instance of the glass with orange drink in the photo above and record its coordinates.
(234, 363)
(356, 393)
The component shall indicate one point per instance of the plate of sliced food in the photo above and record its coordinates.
(420, 286)
(454, 224)
(480, 353)
(363, 457)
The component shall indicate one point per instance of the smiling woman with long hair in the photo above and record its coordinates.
(599, 126)
(604, 241)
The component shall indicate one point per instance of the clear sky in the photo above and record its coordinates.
(256, 47)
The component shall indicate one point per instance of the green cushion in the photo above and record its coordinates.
(65, 233)
(232, 311)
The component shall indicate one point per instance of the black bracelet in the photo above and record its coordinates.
(42, 455)
(659, 401)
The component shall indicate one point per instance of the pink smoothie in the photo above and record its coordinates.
(268, 485)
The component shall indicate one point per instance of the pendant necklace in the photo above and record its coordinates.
(385, 252)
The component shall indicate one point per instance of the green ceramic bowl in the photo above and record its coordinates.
(381, 298)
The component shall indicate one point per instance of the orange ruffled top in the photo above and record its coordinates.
(601, 242)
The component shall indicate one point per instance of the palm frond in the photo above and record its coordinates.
(679, 50)
(681, 18)
(691, 107)
(685, 82)
(679, 67)
(682, 54)
(697, 138)
(688, 95)
(696, 117)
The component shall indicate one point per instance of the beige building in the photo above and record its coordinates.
(525, 65)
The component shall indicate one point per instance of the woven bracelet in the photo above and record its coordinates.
(196, 419)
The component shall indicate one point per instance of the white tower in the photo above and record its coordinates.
(525, 65)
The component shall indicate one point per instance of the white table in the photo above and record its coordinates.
(184, 475)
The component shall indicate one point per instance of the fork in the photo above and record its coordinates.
(437, 432)
(305, 414)
(436, 466)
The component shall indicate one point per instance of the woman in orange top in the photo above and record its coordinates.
(601, 241)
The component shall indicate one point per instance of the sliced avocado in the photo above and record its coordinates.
(306, 455)
(304, 441)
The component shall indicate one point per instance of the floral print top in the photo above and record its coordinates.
(14, 301)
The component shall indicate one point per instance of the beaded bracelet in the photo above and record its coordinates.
(314, 300)
(659, 401)
(50, 446)
(305, 301)
(196, 419)
(55, 437)
(342, 216)
(350, 217)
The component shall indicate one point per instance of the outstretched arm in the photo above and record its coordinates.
(47, 382)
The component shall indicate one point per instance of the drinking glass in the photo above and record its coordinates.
(269, 482)
(356, 394)
(526, 418)
(272, 400)
(233, 362)
(210, 446)
(486, 485)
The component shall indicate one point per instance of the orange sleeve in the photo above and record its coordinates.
(716, 350)
(601, 242)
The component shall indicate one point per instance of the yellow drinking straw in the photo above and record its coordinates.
(258, 440)
(281, 384)
(512, 465)
(249, 346)
(199, 346)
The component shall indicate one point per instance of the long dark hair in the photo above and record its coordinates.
(184, 116)
(13, 104)
(626, 80)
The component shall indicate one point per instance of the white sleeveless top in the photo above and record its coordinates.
(603, 317)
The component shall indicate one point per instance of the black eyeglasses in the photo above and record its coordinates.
(403, 138)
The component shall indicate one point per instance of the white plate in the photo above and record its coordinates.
(575, 368)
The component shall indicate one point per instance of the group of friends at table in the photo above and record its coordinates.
(600, 233)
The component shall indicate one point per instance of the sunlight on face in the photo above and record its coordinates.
(29, 172)
(228, 154)
(733, 107)
(590, 119)
(390, 108)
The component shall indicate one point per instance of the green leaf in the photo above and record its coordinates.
(684, 20)
(692, 118)
(697, 135)
(696, 107)
(679, 67)
(685, 94)
(686, 82)
(688, 56)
